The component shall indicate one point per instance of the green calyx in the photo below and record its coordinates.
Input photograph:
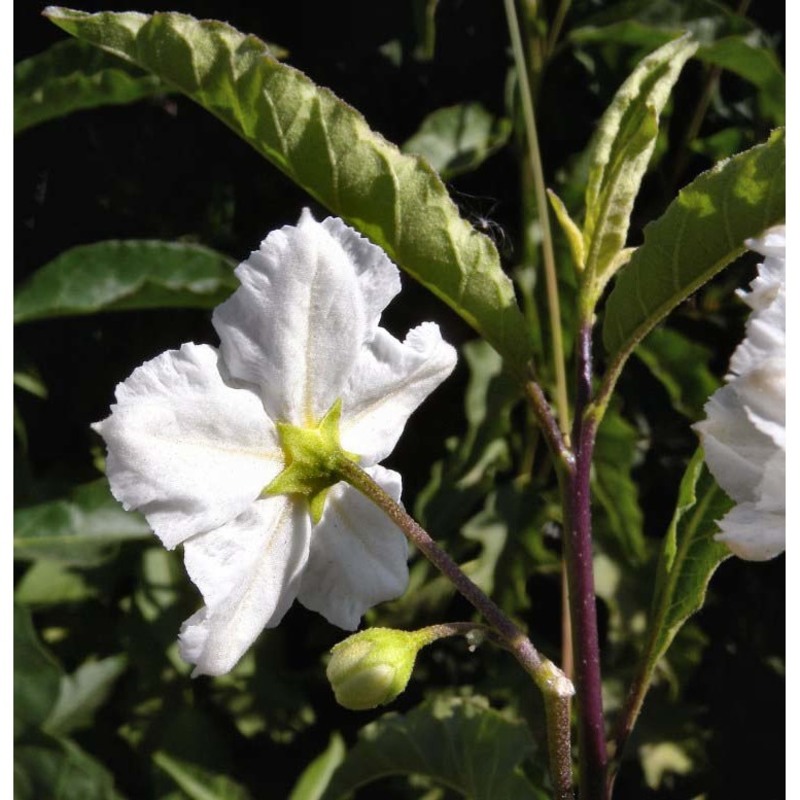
(312, 458)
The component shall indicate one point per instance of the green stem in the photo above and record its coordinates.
(535, 158)
(558, 22)
(557, 689)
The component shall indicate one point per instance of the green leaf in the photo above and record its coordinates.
(31, 382)
(689, 557)
(755, 63)
(85, 529)
(621, 151)
(57, 769)
(572, 232)
(459, 138)
(82, 693)
(199, 783)
(613, 486)
(71, 76)
(326, 147)
(317, 775)
(682, 368)
(117, 275)
(460, 743)
(702, 231)
(48, 583)
(36, 676)
(468, 473)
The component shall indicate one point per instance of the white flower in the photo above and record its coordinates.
(193, 439)
(744, 435)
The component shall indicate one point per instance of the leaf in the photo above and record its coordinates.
(317, 775)
(327, 148)
(48, 583)
(702, 230)
(468, 473)
(117, 275)
(613, 486)
(199, 783)
(36, 676)
(57, 769)
(31, 382)
(620, 154)
(84, 529)
(71, 76)
(681, 366)
(755, 63)
(82, 693)
(459, 742)
(458, 138)
(689, 557)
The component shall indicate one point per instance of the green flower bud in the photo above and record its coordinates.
(372, 667)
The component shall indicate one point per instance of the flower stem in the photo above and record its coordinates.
(557, 689)
(576, 497)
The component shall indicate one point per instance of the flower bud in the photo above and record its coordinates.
(372, 667)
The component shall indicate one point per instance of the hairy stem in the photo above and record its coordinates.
(576, 496)
(557, 689)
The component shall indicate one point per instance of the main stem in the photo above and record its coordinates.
(556, 688)
(576, 496)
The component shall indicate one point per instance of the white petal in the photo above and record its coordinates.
(185, 448)
(358, 556)
(771, 243)
(305, 307)
(752, 533)
(248, 572)
(390, 380)
(735, 450)
(763, 394)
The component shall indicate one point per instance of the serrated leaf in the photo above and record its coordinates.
(621, 151)
(702, 231)
(460, 743)
(326, 147)
(71, 76)
(459, 138)
(317, 775)
(689, 557)
(82, 693)
(199, 783)
(36, 676)
(120, 275)
(681, 366)
(57, 769)
(84, 529)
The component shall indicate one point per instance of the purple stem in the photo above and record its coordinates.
(578, 551)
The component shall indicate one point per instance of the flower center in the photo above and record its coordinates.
(313, 454)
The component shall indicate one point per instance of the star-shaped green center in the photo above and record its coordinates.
(312, 458)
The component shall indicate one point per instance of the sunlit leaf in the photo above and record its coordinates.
(84, 529)
(328, 149)
(82, 693)
(36, 676)
(117, 275)
(317, 775)
(621, 151)
(459, 138)
(702, 231)
(458, 742)
(71, 76)
(57, 769)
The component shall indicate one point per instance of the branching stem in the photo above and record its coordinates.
(557, 689)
